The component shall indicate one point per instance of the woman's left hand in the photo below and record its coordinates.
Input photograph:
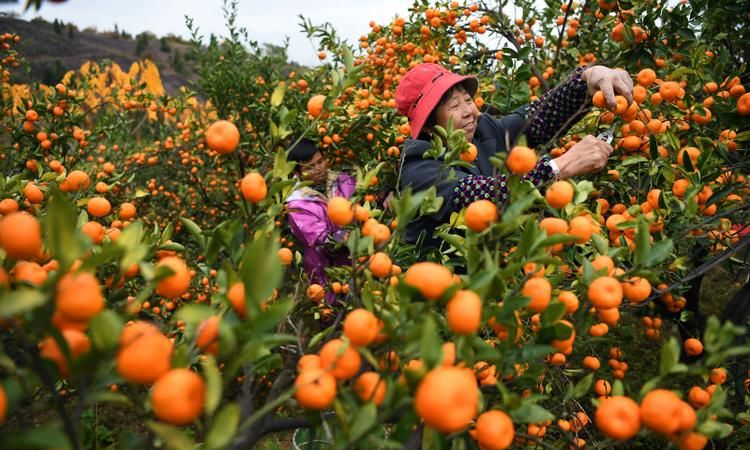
(610, 82)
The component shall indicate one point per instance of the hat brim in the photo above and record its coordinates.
(431, 98)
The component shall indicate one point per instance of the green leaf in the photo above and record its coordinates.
(364, 419)
(193, 313)
(430, 343)
(213, 384)
(530, 413)
(195, 230)
(105, 330)
(65, 240)
(642, 244)
(658, 252)
(583, 386)
(278, 95)
(714, 430)
(223, 427)
(670, 354)
(553, 313)
(261, 272)
(108, 397)
(20, 301)
(600, 244)
(45, 436)
(173, 437)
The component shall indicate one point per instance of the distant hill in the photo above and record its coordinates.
(51, 49)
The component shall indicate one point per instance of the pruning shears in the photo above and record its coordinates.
(607, 135)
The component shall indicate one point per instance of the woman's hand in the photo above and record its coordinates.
(610, 82)
(589, 155)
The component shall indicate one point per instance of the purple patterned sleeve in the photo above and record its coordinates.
(478, 187)
(557, 110)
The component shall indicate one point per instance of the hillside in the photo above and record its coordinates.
(52, 49)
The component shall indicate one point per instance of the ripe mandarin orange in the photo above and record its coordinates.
(380, 265)
(145, 354)
(361, 327)
(446, 398)
(315, 105)
(480, 214)
(20, 235)
(370, 387)
(316, 389)
(78, 296)
(618, 417)
(521, 160)
(178, 396)
(342, 363)
(431, 279)
(539, 290)
(559, 194)
(253, 187)
(223, 137)
(659, 408)
(78, 344)
(494, 430)
(98, 206)
(693, 346)
(340, 211)
(176, 284)
(605, 293)
(464, 312)
(207, 335)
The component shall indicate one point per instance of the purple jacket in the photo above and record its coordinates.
(308, 218)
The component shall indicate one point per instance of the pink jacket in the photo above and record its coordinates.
(308, 218)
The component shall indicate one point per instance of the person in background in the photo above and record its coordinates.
(431, 95)
(308, 211)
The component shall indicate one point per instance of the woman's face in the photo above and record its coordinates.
(461, 108)
(315, 170)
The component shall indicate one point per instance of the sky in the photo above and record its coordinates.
(267, 21)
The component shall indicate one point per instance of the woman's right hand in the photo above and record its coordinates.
(589, 155)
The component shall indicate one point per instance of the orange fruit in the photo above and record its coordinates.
(631, 143)
(692, 152)
(236, 296)
(78, 344)
(581, 227)
(692, 441)
(446, 398)
(559, 194)
(693, 346)
(176, 284)
(679, 187)
(480, 214)
(564, 344)
(431, 279)
(591, 362)
(76, 180)
(646, 77)
(340, 211)
(470, 154)
(3, 404)
(127, 211)
(361, 327)
(342, 363)
(308, 362)
(570, 300)
(7, 206)
(653, 198)
(605, 293)
(636, 289)
(618, 417)
(98, 206)
(285, 256)
(223, 137)
(743, 104)
(29, 272)
(464, 312)
(370, 387)
(78, 296)
(207, 335)
(718, 376)
(315, 292)
(253, 187)
(32, 193)
(599, 100)
(145, 354)
(659, 408)
(494, 430)
(539, 290)
(669, 90)
(603, 388)
(315, 105)
(94, 230)
(20, 235)
(521, 160)
(380, 265)
(178, 396)
(698, 397)
(316, 389)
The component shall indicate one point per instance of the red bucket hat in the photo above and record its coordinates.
(421, 89)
